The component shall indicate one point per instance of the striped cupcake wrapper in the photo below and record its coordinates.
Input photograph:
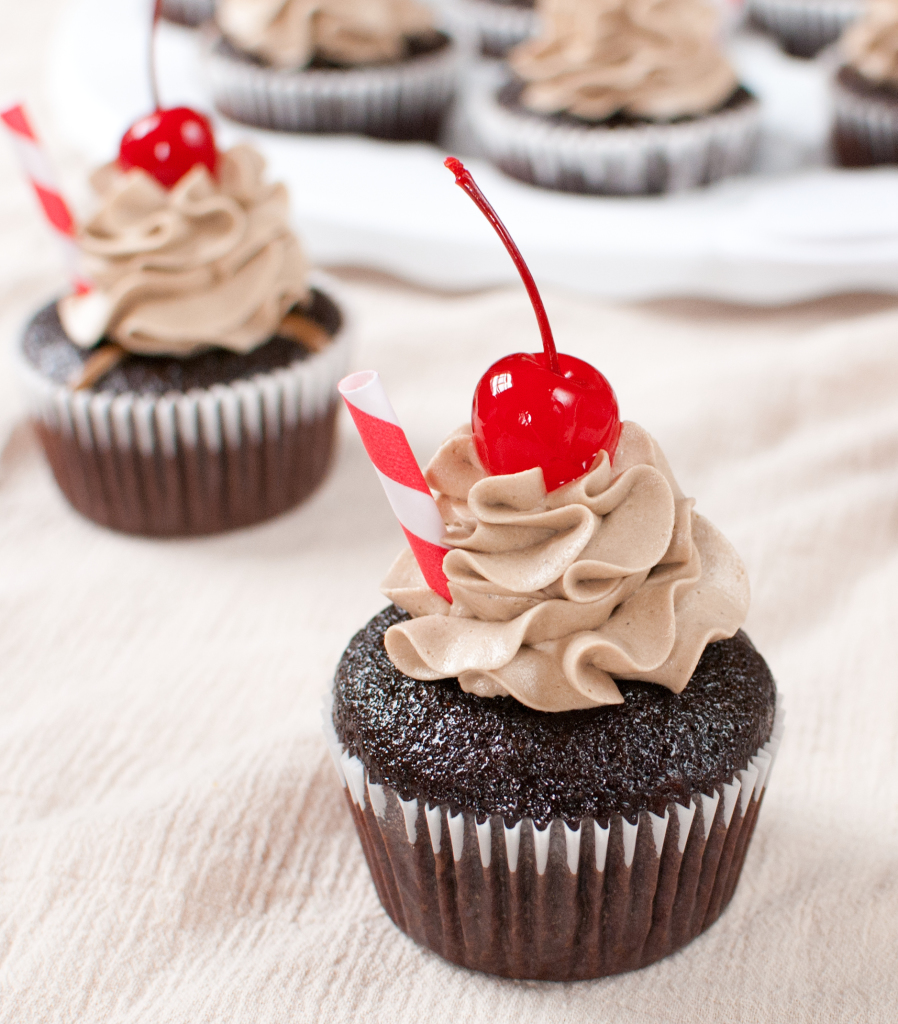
(403, 101)
(194, 463)
(865, 128)
(636, 160)
(188, 12)
(495, 27)
(804, 27)
(560, 903)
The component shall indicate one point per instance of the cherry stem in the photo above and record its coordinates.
(465, 181)
(154, 85)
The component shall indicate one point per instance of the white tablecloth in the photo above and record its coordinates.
(173, 841)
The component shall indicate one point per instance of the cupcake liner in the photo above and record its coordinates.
(201, 462)
(496, 27)
(804, 27)
(403, 101)
(559, 903)
(188, 12)
(638, 159)
(865, 127)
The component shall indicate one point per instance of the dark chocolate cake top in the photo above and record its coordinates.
(496, 756)
(50, 350)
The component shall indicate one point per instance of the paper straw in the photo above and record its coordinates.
(399, 473)
(40, 175)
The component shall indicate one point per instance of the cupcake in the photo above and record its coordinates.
(191, 388)
(188, 12)
(865, 90)
(371, 67)
(495, 25)
(554, 756)
(618, 96)
(804, 27)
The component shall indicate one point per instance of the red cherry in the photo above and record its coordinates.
(168, 143)
(526, 415)
(541, 409)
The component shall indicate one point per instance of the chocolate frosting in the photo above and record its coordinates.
(871, 43)
(291, 33)
(656, 59)
(612, 576)
(211, 262)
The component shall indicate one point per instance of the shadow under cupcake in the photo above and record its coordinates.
(194, 389)
(372, 67)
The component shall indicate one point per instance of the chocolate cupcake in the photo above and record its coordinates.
(193, 388)
(865, 90)
(557, 776)
(804, 27)
(495, 25)
(555, 742)
(370, 67)
(618, 98)
(188, 12)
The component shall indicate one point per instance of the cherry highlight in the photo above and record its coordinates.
(466, 182)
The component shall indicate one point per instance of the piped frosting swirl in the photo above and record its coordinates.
(871, 43)
(656, 59)
(291, 33)
(211, 262)
(555, 596)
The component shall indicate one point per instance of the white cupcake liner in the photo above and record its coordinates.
(198, 462)
(188, 12)
(496, 27)
(557, 903)
(804, 27)
(865, 127)
(638, 160)
(403, 100)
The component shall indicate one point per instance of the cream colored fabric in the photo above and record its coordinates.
(871, 43)
(173, 845)
(209, 262)
(658, 59)
(289, 33)
(611, 575)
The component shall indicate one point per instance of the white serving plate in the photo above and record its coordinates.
(794, 230)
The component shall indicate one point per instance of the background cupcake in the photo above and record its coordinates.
(373, 67)
(804, 27)
(192, 390)
(188, 12)
(495, 25)
(865, 90)
(627, 96)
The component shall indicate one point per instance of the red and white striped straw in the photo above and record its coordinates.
(40, 175)
(400, 474)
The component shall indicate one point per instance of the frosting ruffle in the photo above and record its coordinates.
(206, 263)
(612, 576)
(871, 43)
(657, 59)
(291, 33)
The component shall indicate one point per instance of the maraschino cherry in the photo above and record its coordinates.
(167, 143)
(538, 409)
